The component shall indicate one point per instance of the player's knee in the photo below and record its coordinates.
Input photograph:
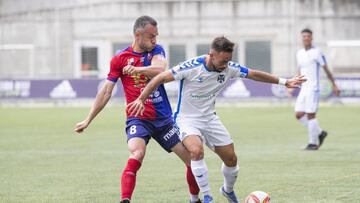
(311, 116)
(197, 153)
(231, 161)
(299, 115)
(138, 154)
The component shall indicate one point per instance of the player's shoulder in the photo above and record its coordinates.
(300, 51)
(121, 54)
(158, 50)
(234, 65)
(315, 50)
(234, 68)
(123, 51)
(192, 63)
(158, 47)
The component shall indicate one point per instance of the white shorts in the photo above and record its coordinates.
(210, 129)
(307, 101)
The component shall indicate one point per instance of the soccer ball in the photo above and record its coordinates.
(258, 197)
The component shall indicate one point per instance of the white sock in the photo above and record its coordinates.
(230, 174)
(200, 172)
(303, 120)
(313, 132)
(194, 198)
(318, 126)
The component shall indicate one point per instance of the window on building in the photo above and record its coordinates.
(117, 47)
(258, 55)
(177, 54)
(89, 61)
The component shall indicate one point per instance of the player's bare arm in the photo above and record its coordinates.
(261, 76)
(137, 107)
(332, 80)
(101, 100)
(158, 65)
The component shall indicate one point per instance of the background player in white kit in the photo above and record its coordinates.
(201, 80)
(309, 60)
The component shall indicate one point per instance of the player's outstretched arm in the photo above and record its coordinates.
(332, 80)
(270, 78)
(137, 107)
(101, 100)
(158, 65)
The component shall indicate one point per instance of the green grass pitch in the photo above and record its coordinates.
(43, 160)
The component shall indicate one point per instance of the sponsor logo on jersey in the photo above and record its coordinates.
(205, 96)
(139, 80)
(155, 97)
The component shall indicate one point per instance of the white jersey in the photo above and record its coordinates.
(309, 61)
(199, 86)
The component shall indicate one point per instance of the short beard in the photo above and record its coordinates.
(146, 49)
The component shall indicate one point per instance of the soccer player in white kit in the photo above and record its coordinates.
(309, 60)
(201, 80)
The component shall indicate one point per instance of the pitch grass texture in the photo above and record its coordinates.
(43, 160)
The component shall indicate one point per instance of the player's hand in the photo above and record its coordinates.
(136, 108)
(80, 127)
(131, 70)
(336, 90)
(295, 82)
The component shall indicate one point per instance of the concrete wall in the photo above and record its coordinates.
(51, 33)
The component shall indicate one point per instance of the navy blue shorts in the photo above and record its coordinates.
(167, 135)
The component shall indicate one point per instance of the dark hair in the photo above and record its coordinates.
(142, 21)
(307, 30)
(222, 44)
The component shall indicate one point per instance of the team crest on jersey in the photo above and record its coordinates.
(130, 61)
(221, 78)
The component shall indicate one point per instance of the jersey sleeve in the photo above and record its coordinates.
(115, 69)
(185, 69)
(320, 58)
(159, 50)
(238, 70)
(179, 72)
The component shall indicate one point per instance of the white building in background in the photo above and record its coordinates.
(77, 38)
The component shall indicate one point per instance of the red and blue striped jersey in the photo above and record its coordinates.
(157, 106)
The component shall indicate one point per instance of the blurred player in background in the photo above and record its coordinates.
(201, 80)
(309, 60)
(135, 65)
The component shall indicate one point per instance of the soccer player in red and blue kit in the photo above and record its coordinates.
(135, 66)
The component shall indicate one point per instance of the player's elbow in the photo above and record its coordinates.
(253, 75)
(107, 90)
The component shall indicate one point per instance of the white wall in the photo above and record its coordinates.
(54, 28)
